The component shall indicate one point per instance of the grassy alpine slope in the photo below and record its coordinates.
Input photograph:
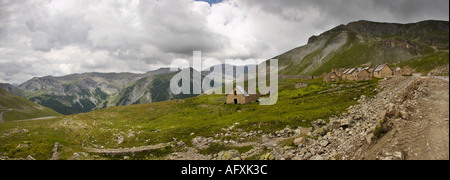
(365, 43)
(18, 108)
(427, 63)
(150, 124)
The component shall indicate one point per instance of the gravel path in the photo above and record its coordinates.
(442, 77)
(36, 119)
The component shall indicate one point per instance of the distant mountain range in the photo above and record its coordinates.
(236, 74)
(78, 93)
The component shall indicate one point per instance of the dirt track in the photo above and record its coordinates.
(1, 114)
(424, 135)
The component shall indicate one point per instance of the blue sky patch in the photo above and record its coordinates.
(211, 1)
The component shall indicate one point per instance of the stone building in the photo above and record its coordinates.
(240, 96)
(357, 74)
(331, 77)
(370, 70)
(398, 72)
(300, 85)
(363, 75)
(350, 74)
(407, 71)
(383, 71)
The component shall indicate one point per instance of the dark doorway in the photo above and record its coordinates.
(235, 101)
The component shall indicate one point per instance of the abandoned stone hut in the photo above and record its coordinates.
(350, 74)
(383, 71)
(300, 85)
(357, 74)
(331, 77)
(363, 75)
(407, 71)
(240, 96)
(370, 70)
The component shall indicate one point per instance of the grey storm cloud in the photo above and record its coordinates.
(344, 11)
(59, 37)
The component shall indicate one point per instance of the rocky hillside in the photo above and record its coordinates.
(366, 43)
(149, 89)
(13, 107)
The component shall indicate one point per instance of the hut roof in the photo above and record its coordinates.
(242, 91)
(380, 67)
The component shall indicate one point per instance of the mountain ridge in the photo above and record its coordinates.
(365, 42)
(78, 93)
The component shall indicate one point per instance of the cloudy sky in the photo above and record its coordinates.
(60, 37)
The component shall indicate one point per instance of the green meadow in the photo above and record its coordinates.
(184, 119)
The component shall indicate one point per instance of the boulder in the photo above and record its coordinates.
(346, 123)
(181, 144)
(317, 158)
(56, 147)
(21, 146)
(288, 155)
(202, 142)
(369, 138)
(357, 117)
(321, 131)
(363, 97)
(404, 115)
(398, 155)
(300, 141)
(335, 124)
(229, 155)
(324, 143)
(390, 107)
(29, 157)
(268, 156)
(394, 156)
(55, 155)
(120, 139)
(79, 156)
(318, 123)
